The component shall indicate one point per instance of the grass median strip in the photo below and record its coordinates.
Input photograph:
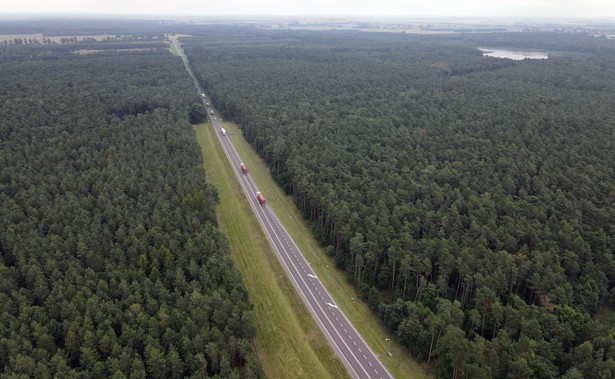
(288, 341)
(400, 363)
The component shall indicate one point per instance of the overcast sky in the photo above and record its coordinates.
(410, 8)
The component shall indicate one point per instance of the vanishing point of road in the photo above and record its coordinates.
(360, 361)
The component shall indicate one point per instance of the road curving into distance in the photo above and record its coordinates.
(357, 357)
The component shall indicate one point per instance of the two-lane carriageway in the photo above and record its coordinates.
(359, 359)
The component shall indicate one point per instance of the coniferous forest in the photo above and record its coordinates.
(471, 200)
(111, 262)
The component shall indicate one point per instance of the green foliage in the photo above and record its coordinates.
(111, 264)
(197, 114)
(470, 199)
(574, 319)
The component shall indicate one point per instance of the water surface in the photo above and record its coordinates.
(513, 53)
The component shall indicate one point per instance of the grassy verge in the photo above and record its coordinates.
(288, 341)
(172, 49)
(400, 364)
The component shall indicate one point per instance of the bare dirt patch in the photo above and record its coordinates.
(60, 39)
(173, 37)
(92, 51)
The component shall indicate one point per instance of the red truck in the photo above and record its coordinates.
(260, 198)
(244, 169)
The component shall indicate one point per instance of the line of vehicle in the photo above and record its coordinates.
(314, 294)
(287, 262)
(250, 188)
(285, 258)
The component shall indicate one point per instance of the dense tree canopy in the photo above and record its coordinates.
(470, 199)
(111, 262)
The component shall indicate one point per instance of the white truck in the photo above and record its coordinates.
(223, 131)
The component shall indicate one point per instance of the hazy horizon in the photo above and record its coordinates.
(544, 9)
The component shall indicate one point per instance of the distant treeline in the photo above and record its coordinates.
(12, 51)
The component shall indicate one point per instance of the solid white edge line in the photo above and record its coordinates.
(251, 184)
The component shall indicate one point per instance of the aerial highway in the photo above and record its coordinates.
(357, 357)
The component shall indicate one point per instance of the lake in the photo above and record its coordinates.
(513, 54)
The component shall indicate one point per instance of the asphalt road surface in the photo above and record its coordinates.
(359, 359)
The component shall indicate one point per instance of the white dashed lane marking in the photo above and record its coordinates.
(285, 241)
